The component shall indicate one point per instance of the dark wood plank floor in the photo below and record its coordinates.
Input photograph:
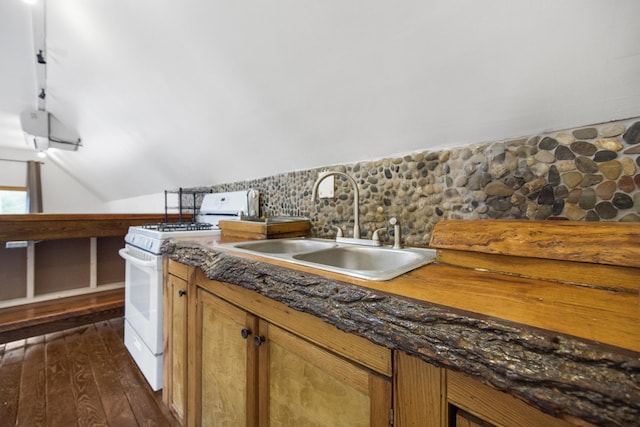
(77, 377)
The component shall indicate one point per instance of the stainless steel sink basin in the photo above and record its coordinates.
(284, 246)
(361, 258)
(365, 262)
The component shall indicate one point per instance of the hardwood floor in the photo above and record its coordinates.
(77, 377)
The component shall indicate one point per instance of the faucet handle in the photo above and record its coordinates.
(396, 233)
(338, 231)
(376, 236)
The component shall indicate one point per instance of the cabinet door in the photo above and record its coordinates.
(175, 346)
(225, 357)
(302, 384)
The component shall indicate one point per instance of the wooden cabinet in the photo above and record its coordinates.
(251, 372)
(175, 316)
(225, 361)
(426, 395)
(234, 357)
(303, 384)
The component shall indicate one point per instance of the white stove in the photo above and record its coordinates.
(149, 237)
(214, 207)
(143, 273)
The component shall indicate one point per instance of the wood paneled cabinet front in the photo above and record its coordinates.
(224, 387)
(175, 315)
(426, 395)
(250, 372)
(234, 357)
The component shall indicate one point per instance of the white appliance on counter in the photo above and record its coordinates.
(143, 274)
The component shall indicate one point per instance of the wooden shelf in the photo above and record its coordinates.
(609, 243)
(55, 315)
(66, 226)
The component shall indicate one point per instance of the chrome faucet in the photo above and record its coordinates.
(356, 201)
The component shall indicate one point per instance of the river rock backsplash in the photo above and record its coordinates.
(591, 173)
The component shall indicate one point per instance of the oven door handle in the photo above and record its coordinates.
(124, 253)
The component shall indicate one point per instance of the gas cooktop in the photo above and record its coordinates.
(179, 226)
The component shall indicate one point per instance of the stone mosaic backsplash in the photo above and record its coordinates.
(590, 173)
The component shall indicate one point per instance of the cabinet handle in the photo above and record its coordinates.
(258, 340)
(245, 333)
(181, 293)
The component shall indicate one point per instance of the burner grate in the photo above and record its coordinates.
(179, 226)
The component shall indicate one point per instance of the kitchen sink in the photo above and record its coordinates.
(284, 246)
(361, 258)
(365, 262)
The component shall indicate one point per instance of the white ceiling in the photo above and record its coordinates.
(168, 93)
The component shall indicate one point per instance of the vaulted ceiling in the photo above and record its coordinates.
(168, 93)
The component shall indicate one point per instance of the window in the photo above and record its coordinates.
(13, 200)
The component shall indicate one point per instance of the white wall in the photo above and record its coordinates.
(12, 174)
(201, 92)
(61, 193)
(149, 203)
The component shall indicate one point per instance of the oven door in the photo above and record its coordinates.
(143, 295)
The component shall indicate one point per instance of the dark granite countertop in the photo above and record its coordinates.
(557, 373)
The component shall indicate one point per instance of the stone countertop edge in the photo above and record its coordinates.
(558, 374)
